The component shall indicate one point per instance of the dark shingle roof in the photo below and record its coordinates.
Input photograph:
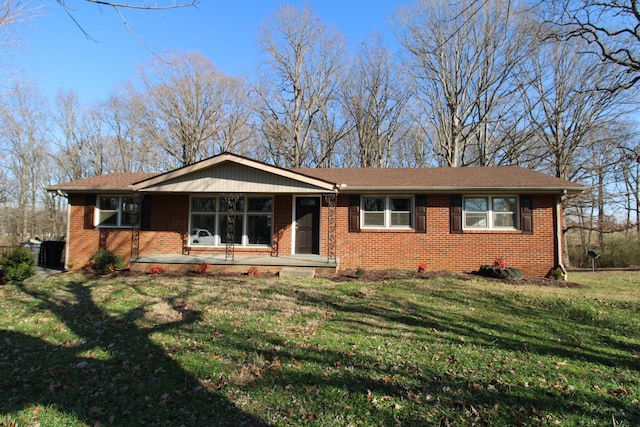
(499, 178)
(442, 179)
(117, 181)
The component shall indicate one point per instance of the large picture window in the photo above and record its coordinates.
(387, 212)
(117, 211)
(252, 221)
(497, 212)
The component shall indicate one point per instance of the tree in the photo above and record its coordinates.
(23, 130)
(460, 58)
(70, 140)
(299, 78)
(184, 103)
(565, 110)
(374, 101)
(119, 7)
(611, 30)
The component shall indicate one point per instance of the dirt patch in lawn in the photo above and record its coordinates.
(373, 276)
(379, 275)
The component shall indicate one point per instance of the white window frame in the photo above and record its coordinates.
(118, 211)
(490, 213)
(242, 221)
(387, 212)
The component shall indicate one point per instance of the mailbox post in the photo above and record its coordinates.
(593, 257)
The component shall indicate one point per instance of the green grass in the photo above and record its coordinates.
(207, 350)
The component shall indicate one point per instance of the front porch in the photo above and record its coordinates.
(313, 264)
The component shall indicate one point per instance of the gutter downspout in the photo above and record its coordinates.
(559, 235)
(66, 237)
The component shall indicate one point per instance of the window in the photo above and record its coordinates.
(117, 211)
(490, 212)
(252, 221)
(386, 212)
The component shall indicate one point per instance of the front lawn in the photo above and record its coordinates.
(236, 350)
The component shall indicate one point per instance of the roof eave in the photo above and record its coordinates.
(449, 190)
(67, 190)
(225, 157)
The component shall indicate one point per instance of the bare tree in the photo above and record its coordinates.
(374, 101)
(611, 30)
(328, 134)
(565, 110)
(70, 135)
(23, 130)
(119, 8)
(460, 58)
(298, 79)
(183, 103)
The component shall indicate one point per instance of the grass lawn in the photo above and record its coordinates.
(226, 350)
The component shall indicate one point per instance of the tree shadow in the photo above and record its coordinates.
(113, 373)
(475, 391)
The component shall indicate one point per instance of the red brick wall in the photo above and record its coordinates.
(441, 250)
(83, 242)
(368, 249)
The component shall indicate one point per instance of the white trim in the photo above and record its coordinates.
(245, 213)
(68, 238)
(98, 209)
(490, 212)
(387, 212)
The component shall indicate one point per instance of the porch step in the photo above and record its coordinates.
(297, 272)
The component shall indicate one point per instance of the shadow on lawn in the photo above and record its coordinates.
(516, 402)
(114, 374)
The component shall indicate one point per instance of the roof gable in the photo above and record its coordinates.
(230, 173)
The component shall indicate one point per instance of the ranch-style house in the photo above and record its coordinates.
(231, 211)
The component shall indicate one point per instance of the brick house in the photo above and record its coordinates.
(233, 211)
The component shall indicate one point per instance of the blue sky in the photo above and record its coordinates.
(55, 54)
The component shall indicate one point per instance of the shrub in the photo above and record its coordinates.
(422, 267)
(360, 272)
(253, 271)
(556, 273)
(106, 262)
(500, 263)
(156, 269)
(17, 265)
(202, 268)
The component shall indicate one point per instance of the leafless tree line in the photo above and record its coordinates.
(472, 84)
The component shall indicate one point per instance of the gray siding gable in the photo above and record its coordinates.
(231, 177)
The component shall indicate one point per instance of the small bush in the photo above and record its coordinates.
(422, 267)
(253, 271)
(556, 273)
(156, 269)
(17, 265)
(106, 262)
(202, 268)
(500, 263)
(360, 272)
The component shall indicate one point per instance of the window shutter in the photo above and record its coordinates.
(89, 209)
(526, 214)
(456, 215)
(354, 213)
(421, 213)
(145, 213)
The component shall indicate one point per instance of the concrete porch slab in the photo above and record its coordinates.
(316, 264)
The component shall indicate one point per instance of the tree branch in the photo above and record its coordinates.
(142, 7)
